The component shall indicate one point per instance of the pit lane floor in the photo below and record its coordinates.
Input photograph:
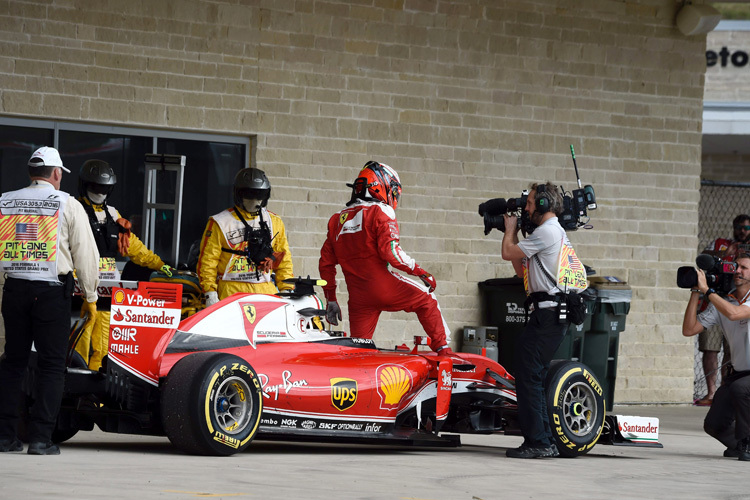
(96, 465)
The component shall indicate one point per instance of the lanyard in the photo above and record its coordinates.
(743, 298)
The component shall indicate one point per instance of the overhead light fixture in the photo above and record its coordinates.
(697, 19)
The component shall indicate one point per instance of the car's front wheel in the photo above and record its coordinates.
(576, 407)
(211, 404)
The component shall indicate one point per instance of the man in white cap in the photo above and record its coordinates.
(44, 236)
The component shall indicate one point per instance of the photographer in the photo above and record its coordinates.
(728, 420)
(545, 253)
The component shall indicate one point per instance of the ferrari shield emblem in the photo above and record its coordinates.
(249, 311)
(342, 218)
(343, 393)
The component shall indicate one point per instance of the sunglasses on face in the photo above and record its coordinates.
(741, 228)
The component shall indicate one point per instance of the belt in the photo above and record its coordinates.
(60, 277)
(542, 300)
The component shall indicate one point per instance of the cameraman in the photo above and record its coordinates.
(728, 420)
(536, 258)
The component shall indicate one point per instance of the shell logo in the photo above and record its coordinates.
(393, 383)
(119, 297)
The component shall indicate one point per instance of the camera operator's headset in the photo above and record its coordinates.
(542, 201)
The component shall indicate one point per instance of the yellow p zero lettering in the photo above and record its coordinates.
(235, 366)
(207, 404)
(223, 369)
(563, 379)
(556, 419)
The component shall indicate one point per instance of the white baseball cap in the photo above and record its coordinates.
(46, 157)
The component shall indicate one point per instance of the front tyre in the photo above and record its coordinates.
(576, 407)
(211, 404)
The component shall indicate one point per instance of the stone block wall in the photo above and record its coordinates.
(467, 99)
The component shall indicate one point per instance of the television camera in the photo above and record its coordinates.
(719, 274)
(576, 205)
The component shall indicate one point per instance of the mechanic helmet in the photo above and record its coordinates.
(379, 181)
(253, 185)
(96, 181)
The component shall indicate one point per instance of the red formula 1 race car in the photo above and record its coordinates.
(263, 366)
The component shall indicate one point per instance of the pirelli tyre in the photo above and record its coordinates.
(576, 407)
(211, 404)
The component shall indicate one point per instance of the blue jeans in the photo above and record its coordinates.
(534, 350)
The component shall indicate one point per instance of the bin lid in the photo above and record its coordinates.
(501, 282)
(608, 283)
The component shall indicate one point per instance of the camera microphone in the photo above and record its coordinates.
(495, 206)
(705, 261)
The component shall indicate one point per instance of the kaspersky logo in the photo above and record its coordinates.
(343, 393)
(393, 383)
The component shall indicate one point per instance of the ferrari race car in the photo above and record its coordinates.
(264, 366)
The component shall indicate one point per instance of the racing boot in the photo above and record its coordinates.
(744, 450)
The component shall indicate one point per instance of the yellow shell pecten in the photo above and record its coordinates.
(394, 382)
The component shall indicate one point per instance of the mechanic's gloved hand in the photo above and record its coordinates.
(88, 310)
(333, 312)
(211, 298)
(168, 270)
(266, 265)
(429, 281)
(123, 238)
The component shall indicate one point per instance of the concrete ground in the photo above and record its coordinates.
(95, 465)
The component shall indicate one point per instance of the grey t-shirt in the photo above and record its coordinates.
(737, 333)
(545, 241)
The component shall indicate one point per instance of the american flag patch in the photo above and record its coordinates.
(574, 263)
(26, 231)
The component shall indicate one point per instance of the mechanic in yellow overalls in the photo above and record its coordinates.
(244, 248)
(112, 234)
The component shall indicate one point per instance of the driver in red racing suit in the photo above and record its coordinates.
(363, 239)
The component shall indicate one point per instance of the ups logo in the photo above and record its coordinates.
(343, 393)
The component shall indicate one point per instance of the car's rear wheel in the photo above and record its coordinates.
(211, 404)
(576, 407)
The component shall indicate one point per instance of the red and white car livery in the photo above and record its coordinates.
(263, 366)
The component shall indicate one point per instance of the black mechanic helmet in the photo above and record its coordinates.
(249, 184)
(96, 176)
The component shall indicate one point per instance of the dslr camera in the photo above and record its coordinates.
(719, 274)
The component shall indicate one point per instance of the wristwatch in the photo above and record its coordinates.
(708, 293)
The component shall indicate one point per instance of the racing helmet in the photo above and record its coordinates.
(379, 181)
(96, 176)
(251, 184)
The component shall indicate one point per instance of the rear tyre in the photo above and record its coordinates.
(576, 407)
(211, 404)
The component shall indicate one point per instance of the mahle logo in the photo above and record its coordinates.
(343, 393)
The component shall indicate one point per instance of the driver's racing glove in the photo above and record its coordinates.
(168, 270)
(429, 281)
(333, 312)
(211, 298)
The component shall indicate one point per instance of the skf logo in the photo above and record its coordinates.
(343, 393)
(394, 382)
(343, 218)
(249, 311)
(119, 297)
